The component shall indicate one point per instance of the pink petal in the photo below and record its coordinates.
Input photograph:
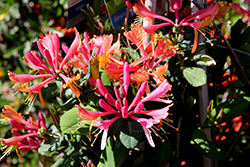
(139, 108)
(125, 109)
(176, 4)
(42, 121)
(149, 137)
(34, 61)
(25, 78)
(158, 92)
(106, 107)
(14, 140)
(105, 124)
(157, 114)
(202, 14)
(73, 48)
(138, 96)
(16, 125)
(26, 147)
(46, 55)
(151, 29)
(33, 142)
(126, 77)
(102, 89)
(37, 87)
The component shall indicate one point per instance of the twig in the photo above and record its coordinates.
(233, 53)
(236, 50)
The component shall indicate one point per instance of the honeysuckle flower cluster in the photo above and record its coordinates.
(197, 20)
(122, 109)
(91, 54)
(77, 65)
(27, 133)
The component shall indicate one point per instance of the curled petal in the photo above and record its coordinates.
(106, 107)
(138, 96)
(34, 61)
(158, 92)
(141, 10)
(157, 114)
(148, 136)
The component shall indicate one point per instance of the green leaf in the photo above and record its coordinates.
(163, 153)
(129, 131)
(70, 123)
(120, 153)
(195, 76)
(53, 145)
(131, 53)
(107, 157)
(204, 146)
(64, 159)
(104, 77)
(204, 60)
(232, 108)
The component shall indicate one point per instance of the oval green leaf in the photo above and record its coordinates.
(195, 76)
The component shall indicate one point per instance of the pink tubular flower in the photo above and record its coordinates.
(28, 138)
(53, 68)
(120, 108)
(204, 17)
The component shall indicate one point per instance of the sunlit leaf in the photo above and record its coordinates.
(107, 157)
(204, 146)
(70, 123)
(204, 60)
(195, 76)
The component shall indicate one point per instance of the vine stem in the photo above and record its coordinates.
(236, 50)
(233, 53)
